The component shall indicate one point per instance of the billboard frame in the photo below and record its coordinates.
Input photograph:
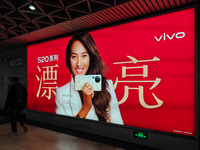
(157, 139)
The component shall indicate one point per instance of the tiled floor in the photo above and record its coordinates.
(42, 139)
(45, 137)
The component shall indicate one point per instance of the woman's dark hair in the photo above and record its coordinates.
(101, 99)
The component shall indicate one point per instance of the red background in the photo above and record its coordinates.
(136, 39)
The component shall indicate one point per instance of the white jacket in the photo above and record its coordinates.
(71, 106)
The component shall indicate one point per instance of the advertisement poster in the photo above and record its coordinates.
(149, 65)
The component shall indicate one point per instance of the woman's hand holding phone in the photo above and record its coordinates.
(88, 94)
(88, 90)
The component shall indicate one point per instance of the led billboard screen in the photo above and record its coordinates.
(148, 74)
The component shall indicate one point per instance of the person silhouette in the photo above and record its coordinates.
(16, 101)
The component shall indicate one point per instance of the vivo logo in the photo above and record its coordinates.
(166, 36)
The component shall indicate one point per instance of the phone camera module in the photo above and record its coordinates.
(97, 79)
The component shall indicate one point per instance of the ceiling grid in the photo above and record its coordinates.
(61, 17)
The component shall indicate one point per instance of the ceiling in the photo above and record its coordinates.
(53, 18)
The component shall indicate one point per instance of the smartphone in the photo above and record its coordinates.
(94, 80)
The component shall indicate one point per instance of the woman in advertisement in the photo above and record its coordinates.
(83, 58)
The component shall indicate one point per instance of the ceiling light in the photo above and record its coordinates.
(31, 7)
